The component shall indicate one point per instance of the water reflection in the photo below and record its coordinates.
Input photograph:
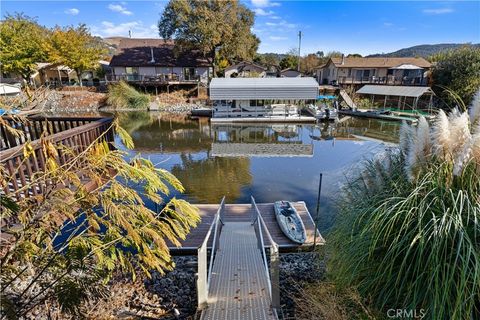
(256, 140)
(271, 162)
(209, 179)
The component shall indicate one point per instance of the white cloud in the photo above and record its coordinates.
(276, 38)
(438, 11)
(264, 3)
(119, 8)
(72, 11)
(281, 24)
(387, 24)
(137, 28)
(261, 12)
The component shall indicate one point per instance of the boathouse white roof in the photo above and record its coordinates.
(263, 88)
(398, 91)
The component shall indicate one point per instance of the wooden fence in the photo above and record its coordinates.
(74, 133)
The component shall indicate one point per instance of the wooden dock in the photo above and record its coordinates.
(243, 213)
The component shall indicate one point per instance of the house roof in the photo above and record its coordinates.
(246, 66)
(135, 52)
(263, 88)
(354, 62)
(290, 69)
(9, 89)
(398, 91)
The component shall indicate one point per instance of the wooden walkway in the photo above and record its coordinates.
(239, 285)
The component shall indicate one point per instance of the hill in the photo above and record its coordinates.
(424, 50)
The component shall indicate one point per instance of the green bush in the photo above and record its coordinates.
(459, 70)
(408, 232)
(123, 96)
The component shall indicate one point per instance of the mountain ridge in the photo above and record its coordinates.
(423, 50)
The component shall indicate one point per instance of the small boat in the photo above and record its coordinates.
(201, 112)
(322, 112)
(290, 222)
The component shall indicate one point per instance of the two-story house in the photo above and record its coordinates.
(156, 61)
(388, 71)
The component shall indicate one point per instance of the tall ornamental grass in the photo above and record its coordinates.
(408, 231)
(123, 96)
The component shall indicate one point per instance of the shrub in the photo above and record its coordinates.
(459, 70)
(408, 230)
(123, 96)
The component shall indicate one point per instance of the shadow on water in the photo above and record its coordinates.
(270, 162)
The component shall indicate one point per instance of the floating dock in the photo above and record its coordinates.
(299, 119)
(238, 247)
(376, 115)
(244, 213)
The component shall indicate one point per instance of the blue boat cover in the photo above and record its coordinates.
(326, 97)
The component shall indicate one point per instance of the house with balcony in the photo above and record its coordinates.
(407, 71)
(155, 62)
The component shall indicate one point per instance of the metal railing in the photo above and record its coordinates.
(273, 272)
(204, 271)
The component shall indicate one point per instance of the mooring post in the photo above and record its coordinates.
(318, 211)
(275, 276)
(202, 285)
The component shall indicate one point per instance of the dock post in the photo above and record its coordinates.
(202, 286)
(275, 276)
(318, 211)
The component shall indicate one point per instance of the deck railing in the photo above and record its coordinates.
(74, 133)
(204, 271)
(388, 80)
(33, 127)
(160, 78)
(273, 272)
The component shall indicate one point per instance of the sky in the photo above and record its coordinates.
(364, 27)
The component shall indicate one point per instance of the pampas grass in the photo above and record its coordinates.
(441, 136)
(419, 148)
(410, 239)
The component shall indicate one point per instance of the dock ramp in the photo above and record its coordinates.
(240, 282)
(347, 99)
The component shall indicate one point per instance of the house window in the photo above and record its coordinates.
(131, 70)
(189, 73)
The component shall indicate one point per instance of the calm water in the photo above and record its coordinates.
(270, 162)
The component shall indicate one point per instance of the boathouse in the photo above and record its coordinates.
(399, 97)
(261, 99)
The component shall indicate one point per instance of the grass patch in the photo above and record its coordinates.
(326, 301)
(123, 96)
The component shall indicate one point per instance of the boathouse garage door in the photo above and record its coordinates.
(263, 88)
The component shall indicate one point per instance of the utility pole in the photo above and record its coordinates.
(299, 46)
